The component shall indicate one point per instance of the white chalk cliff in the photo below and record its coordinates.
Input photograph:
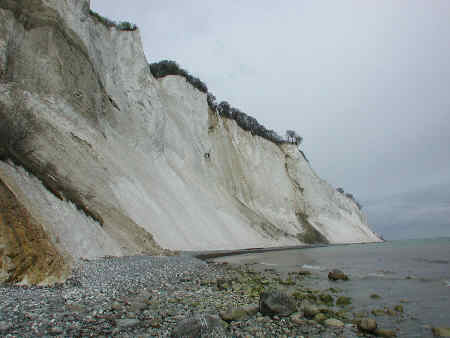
(101, 158)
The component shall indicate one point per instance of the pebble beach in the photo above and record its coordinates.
(153, 296)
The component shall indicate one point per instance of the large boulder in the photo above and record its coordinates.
(199, 326)
(276, 303)
(367, 325)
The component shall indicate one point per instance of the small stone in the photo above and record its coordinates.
(310, 310)
(55, 330)
(297, 319)
(199, 326)
(276, 303)
(116, 306)
(233, 314)
(398, 308)
(320, 317)
(378, 312)
(304, 273)
(223, 284)
(390, 312)
(337, 274)
(155, 324)
(251, 309)
(138, 307)
(385, 333)
(332, 322)
(367, 325)
(327, 299)
(126, 323)
(342, 301)
(76, 307)
(441, 331)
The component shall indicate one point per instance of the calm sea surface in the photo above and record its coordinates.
(414, 273)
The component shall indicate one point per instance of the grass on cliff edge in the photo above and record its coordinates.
(123, 25)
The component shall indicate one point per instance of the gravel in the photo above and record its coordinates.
(146, 296)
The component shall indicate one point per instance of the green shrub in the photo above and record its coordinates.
(126, 26)
(123, 26)
(168, 67)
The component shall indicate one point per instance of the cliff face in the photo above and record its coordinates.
(107, 160)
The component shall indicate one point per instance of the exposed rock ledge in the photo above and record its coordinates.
(100, 158)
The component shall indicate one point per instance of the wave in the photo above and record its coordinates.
(311, 267)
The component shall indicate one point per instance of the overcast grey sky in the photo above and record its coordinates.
(367, 83)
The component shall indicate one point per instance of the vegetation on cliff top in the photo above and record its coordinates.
(122, 25)
(224, 109)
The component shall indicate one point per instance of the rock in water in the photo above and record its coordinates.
(276, 303)
(337, 274)
(332, 322)
(199, 326)
(342, 301)
(367, 325)
(310, 310)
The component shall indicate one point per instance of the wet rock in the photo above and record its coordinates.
(310, 310)
(155, 323)
(390, 312)
(297, 319)
(441, 331)
(345, 315)
(138, 307)
(116, 306)
(278, 303)
(320, 317)
(251, 309)
(398, 308)
(332, 322)
(378, 312)
(337, 274)
(127, 323)
(223, 284)
(342, 301)
(327, 299)
(199, 326)
(367, 325)
(76, 307)
(56, 330)
(304, 273)
(233, 314)
(385, 333)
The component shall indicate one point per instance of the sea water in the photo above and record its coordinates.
(413, 273)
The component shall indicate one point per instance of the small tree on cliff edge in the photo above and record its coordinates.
(293, 137)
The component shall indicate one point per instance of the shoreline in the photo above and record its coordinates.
(210, 254)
